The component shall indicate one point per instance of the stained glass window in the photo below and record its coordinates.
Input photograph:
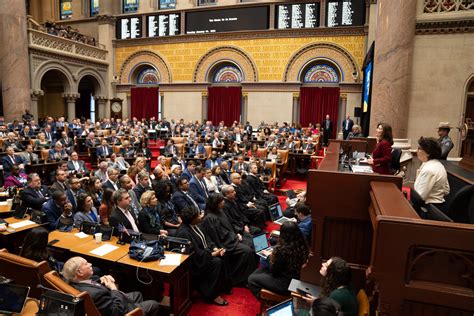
(167, 4)
(228, 74)
(206, 2)
(130, 6)
(148, 76)
(321, 73)
(65, 9)
(94, 5)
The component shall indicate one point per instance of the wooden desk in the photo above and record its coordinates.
(5, 210)
(13, 240)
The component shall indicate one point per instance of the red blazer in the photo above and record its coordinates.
(382, 156)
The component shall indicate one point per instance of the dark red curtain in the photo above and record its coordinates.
(223, 104)
(316, 103)
(144, 102)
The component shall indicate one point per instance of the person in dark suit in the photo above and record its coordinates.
(188, 173)
(327, 126)
(197, 149)
(11, 141)
(248, 129)
(121, 216)
(9, 160)
(181, 197)
(347, 126)
(104, 150)
(253, 179)
(103, 291)
(74, 190)
(112, 181)
(254, 213)
(237, 218)
(58, 152)
(309, 145)
(143, 184)
(67, 142)
(213, 160)
(35, 194)
(209, 267)
(76, 165)
(56, 208)
(26, 133)
(170, 149)
(113, 139)
(197, 187)
(59, 183)
(240, 166)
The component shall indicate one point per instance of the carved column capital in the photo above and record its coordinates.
(106, 19)
(35, 94)
(204, 94)
(343, 96)
(245, 94)
(71, 97)
(296, 95)
(101, 99)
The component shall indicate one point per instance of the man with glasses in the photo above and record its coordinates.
(76, 165)
(75, 188)
(181, 198)
(121, 217)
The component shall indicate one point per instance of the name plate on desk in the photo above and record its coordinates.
(361, 169)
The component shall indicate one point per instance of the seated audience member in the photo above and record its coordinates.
(236, 216)
(325, 306)
(67, 142)
(211, 185)
(149, 220)
(209, 271)
(57, 153)
(103, 291)
(112, 181)
(197, 149)
(17, 178)
(225, 171)
(336, 284)
(213, 160)
(13, 142)
(9, 160)
(57, 209)
(182, 198)
(59, 183)
(113, 139)
(197, 187)
(309, 145)
(170, 149)
(188, 173)
(382, 155)
(28, 156)
(85, 211)
(283, 263)
(217, 177)
(91, 141)
(94, 189)
(41, 142)
(121, 216)
(444, 140)
(143, 183)
(432, 180)
(74, 189)
(104, 150)
(106, 206)
(142, 150)
(168, 211)
(127, 184)
(77, 166)
(217, 227)
(356, 132)
(35, 247)
(216, 142)
(118, 163)
(140, 164)
(34, 195)
(254, 213)
(253, 179)
(305, 222)
(127, 151)
(26, 133)
(240, 166)
(175, 174)
(273, 154)
(101, 173)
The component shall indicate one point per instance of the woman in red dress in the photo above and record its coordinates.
(382, 154)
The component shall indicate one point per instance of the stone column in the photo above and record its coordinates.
(14, 65)
(296, 107)
(245, 107)
(71, 104)
(126, 106)
(35, 95)
(394, 38)
(106, 36)
(204, 106)
(101, 104)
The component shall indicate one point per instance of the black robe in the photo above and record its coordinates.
(256, 214)
(238, 219)
(241, 254)
(210, 274)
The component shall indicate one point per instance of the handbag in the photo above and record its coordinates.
(146, 250)
(90, 228)
(39, 217)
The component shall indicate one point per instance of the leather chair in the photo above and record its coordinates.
(23, 271)
(284, 159)
(269, 299)
(208, 151)
(180, 149)
(262, 153)
(45, 154)
(396, 155)
(178, 140)
(52, 280)
(363, 302)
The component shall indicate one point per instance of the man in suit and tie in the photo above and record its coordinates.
(347, 126)
(104, 292)
(28, 156)
(118, 162)
(113, 139)
(11, 141)
(327, 126)
(198, 189)
(67, 142)
(248, 129)
(56, 208)
(127, 184)
(309, 146)
(197, 149)
(240, 166)
(104, 150)
(9, 160)
(188, 173)
(121, 217)
(112, 181)
(143, 184)
(35, 194)
(60, 182)
(170, 149)
(49, 134)
(182, 198)
(76, 165)
(74, 190)
(57, 153)
(225, 171)
(213, 160)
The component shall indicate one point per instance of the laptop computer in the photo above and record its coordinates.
(284, 308)
(276, 214)
(260, 242)
(13, 298)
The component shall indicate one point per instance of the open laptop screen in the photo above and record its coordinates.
(260, 242)
(12, 297)
(275, 211)
(285, 308)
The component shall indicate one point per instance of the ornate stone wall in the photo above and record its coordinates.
(144, 57)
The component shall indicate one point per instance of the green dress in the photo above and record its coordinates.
(346, 297)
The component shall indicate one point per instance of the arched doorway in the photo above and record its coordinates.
(225, 93)
(86, 107)
(145, 101)
(54, 84)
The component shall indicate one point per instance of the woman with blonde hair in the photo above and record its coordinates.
(149, 218)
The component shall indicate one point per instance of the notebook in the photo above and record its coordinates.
(276, 214)
(285, 308)
(260, 242)
(13, 297)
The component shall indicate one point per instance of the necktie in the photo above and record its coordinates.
(192, 200)
(13, 159)
(105, 151)
(31, 157)
(39, 193)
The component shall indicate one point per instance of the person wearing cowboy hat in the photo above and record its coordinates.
(444, 140)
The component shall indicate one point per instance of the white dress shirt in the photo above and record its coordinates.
(432, 182)
(130, 219)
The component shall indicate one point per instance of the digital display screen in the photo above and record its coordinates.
(163, 25)
(227, 20)
(367, 91)
(129, 27)
(297, 16)
(345, 13)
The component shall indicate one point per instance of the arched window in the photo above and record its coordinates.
(148, 75)
(227, 73)
(65, 9)
(321, 73)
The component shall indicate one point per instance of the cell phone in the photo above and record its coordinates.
(302, 292)
(52, 242)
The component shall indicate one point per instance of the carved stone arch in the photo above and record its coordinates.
(141, 58)
(70, 85)
(223, 54)
(100, 87)
(334, 53)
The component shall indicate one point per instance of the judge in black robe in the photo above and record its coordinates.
(209, 267)
(254, 181)
(254, 212)
(217, 226)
